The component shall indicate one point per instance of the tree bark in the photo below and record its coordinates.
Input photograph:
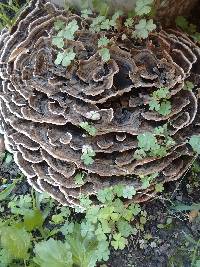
(167, 10)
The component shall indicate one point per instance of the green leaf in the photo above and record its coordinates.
(88, 154)
(189, 86)
(105, 195)
(21, 204)
(6, 192)
(165, 108)
(118, 190)
(68, 57)
(107, 213)
(100, 233)
(161, 93)
(139, 154)
(119, 242)
(101, 6)
(105, 54)
(79, 178)
(129, 22)
(124, 228)
(129, 192)
(169, 142)
(154, 104)
(161, 130)
(70, 30)
(67, 228)
(85, 201)
(59, 58)
(146, 180)
(195, 143)
(85, 13)
(103, 251)
(103, 41)
(59, 24)
(61, 216)
(147, 141)
(16, 241)
(33, 220)
(53, 253)
(96, 23)
(59, 42)
(87, 160)
(87, 229)
(5, 258)
(159, 188)
(92, 213)
(83, 249)
(182, 23)
(143, 7)
(158, 151)
(8, 158)
(91, 130)
(135, 209)
(143, 28)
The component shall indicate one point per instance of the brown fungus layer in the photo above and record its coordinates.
(43, 104)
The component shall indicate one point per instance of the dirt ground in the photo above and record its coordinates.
(166, 245)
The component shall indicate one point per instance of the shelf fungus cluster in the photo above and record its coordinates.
(43, 105)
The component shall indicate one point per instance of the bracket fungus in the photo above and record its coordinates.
(43, 105)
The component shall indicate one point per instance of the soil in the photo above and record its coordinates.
(165, 243)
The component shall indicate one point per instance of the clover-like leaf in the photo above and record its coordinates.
(103, 250)
(189, 86)
(103, 41)
(124, 228)
(159, 187)
(129, 22)
(88, 154)
(129, 192)
(59, 58)
(147, 141)
(154, 104)
(119, 241)
(143, 7)
(70, 30)
(161, 93)
(79, 178)
(87, 229)
(85, 13)
(105, 195)
(59, 24)
(58, 41)
(91, 130)
(143, 28)
(69, 56)
(105, 54)
(165, 108)
(195, 143)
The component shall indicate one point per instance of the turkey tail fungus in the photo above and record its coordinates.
(44, 105)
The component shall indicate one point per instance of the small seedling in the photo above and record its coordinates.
(87, 155)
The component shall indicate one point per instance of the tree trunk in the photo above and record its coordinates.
(167, 10)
